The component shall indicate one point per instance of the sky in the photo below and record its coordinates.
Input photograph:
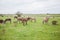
(29, 6)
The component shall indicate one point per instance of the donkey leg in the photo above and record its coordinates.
(4, 22)
(31, 20)
(26, 23)
(35, 20)
(10, 21)
(23, 23)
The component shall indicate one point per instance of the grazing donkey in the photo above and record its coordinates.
(8, 19)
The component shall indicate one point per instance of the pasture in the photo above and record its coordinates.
(31, 31)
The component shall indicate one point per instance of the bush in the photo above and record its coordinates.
(54, 22)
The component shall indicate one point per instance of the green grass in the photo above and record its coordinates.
(32, 31)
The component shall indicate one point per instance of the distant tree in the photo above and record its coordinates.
(47, 13)
(19, 14)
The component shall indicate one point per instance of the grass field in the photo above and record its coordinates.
(32, 31)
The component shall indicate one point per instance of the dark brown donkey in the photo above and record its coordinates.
(7, 19)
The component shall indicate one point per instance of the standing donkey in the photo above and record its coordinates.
(45, 19)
